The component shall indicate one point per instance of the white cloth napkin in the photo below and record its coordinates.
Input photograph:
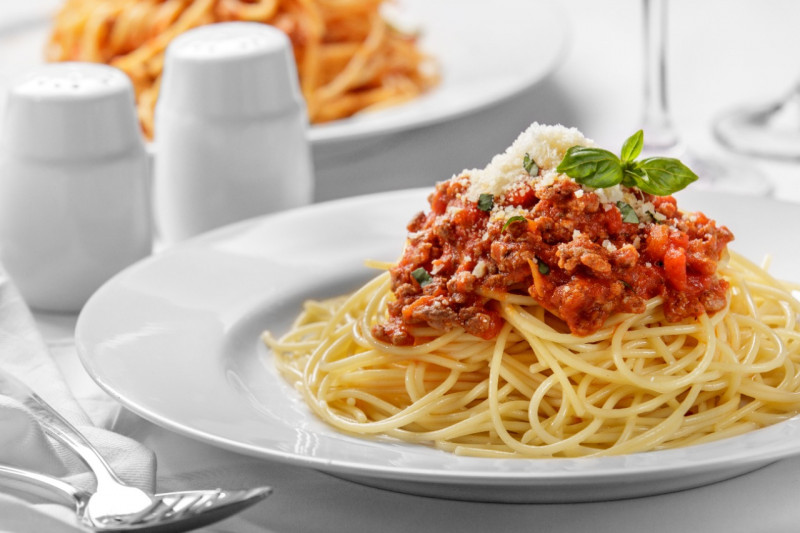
(23, 443)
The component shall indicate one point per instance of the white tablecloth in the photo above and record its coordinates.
(721, 53)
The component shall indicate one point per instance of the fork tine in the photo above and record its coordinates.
(176, 506)
(208, 500)
(246, 494)
(137, 518)
(191, 508)
(165, 511)
(184, 506)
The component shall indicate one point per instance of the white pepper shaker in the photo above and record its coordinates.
(230, 130)
(75, 204)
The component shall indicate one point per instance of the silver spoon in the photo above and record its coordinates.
(113, 502)
(170, 511)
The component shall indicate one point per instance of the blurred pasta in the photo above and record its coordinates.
(349, 58)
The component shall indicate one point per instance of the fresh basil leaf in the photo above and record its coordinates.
(422, 276)
(632, 147)
(530, 165)
(631, 174)
(628, 214)
(515, 218)
(598, 168)
(486, 202)
(593, 167)
(662, 176)
(543, 268)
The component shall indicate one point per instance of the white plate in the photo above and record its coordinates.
(175, 338)
(487, 51)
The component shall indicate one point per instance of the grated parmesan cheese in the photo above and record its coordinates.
(503, 213)
(610, 196)
(546, 145)
(480, 269)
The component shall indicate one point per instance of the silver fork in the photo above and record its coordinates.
(114, 503)
(170, 512)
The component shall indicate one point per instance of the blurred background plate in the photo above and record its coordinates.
(484, 57)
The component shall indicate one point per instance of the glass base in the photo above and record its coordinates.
(719, 173)
(772, 131)
(734, 176)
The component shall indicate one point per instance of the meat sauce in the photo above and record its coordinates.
(562, 246)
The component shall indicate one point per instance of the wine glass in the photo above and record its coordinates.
(660, 135)
(771, 130)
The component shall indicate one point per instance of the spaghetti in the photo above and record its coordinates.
(476, 367)
(349, 58)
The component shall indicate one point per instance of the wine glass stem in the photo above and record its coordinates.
(659, 133)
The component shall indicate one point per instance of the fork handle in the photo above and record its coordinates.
(41, 485)
(58, 427)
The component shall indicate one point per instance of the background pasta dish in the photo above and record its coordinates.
(349, 58)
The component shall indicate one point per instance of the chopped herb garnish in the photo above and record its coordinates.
(625, 284)
(653, 218)
(598, 168)
(543, 268)
(422, 276)
(486, 202)
(530, 165)
(515, 218)
(628, 214)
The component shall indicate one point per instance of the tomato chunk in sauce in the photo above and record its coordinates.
(578, 257)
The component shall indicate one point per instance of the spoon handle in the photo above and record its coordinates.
(57, 426)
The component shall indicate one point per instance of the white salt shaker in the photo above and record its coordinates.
(74, 183)
(230, 130)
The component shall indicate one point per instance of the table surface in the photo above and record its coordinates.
(721, 53)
